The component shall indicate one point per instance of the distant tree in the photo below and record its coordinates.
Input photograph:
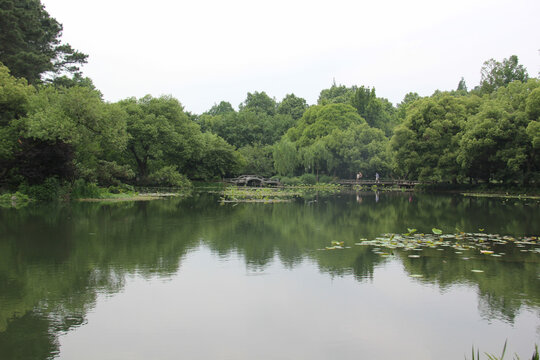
(495, 74)
(425, 145)
(76, 80)
(259, 102)
(532, 105)
(499, 142)
(362, 99)
(462, 86)
(258, 159)
(257, 121)
(30, 42)
(215, 158)
(286, 158)
(316, 143)
(336, 94)
(320, 120)
(378, 113)
(223, 107)
(160, 134)
(293, 106)
(359, 148)
(409, 98)
(402, 107)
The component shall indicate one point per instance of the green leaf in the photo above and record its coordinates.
(436, 231)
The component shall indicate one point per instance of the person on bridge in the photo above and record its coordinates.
(359, 176)
(377, 177)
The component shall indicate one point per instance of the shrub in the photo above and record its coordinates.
(292, 181)
(308, 179)
(14, 200)
(83, 190)
(121, 189)
(50, 190)
(110, 173)
(325, 179)
(169, 176)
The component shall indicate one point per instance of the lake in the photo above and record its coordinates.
(193, 278)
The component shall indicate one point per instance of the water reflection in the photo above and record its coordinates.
(56, 260)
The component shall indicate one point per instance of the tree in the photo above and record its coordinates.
(14, 95)
(259, 102)
(293, 106)
(359, 148)
(426, 143)
(402, 107)
(336, 94)
(462, 86)
(378, 113)
(78, 117)
(307, 144)
(499, 141)
(251, 125)
(30, 42)
(320, 120)
(160, 134)
(495, 74)
(285, 157)
(258, 159)
(224, 107)
(215, 158)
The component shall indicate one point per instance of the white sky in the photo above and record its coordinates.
(206, 51)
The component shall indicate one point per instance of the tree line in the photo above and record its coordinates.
(56, 127)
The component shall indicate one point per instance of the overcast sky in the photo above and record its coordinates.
(206, 51)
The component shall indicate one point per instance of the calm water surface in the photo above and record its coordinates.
(193, 279)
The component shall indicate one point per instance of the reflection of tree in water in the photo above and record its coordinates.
(55, 260)
(28, 337)
(505, 285)
(293, 232)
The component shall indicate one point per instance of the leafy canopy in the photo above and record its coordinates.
(30, 43)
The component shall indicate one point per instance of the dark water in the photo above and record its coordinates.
(192, 279)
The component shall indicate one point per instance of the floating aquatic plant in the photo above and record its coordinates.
(471, 243)
(411, 231)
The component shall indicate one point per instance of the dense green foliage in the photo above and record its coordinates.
(64, 130)
(30, 44)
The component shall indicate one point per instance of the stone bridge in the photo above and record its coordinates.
(252, 180)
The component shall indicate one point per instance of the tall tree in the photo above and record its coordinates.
(259, 102)
(499, 142)
(293, 106)
(336, 94)
(426, 143)
(30, 42)
(160, 135)
(77, 116)
(14, 97)
(462, 86)
(495, 74)
(223, 107)
(377, 112)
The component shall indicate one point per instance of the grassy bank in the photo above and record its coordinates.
(272, 195)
